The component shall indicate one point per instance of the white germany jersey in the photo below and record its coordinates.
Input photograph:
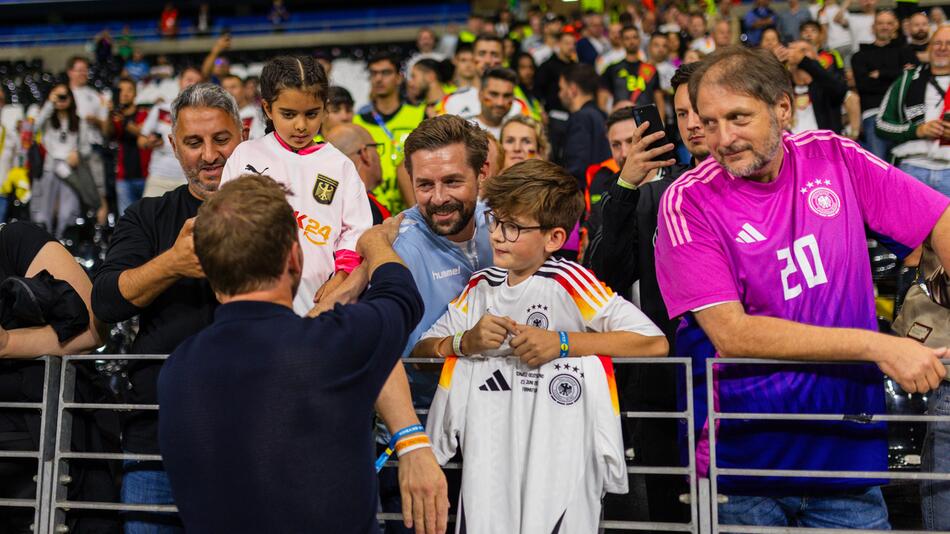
(465, 104)
(542, 445)
(328, 198)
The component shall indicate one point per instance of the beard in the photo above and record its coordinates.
(760, 159)
(446, 229)
(203, 188)
(920, 36)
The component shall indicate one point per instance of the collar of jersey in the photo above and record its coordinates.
(301, 152)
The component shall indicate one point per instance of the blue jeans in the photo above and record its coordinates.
(939, 180)
(857, 510)
(935, 494)
(872, 142)
(141, 486)
(127, 191)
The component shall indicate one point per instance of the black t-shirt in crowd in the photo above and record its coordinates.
(147, 229)
(625, 77)
(20, 380)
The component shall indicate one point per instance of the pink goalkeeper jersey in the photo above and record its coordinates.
(794, 248)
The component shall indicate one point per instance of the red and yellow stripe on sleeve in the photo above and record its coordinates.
(611, 382)
(445, 379)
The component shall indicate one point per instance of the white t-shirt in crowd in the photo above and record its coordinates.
(89, 103)
(252, 118)
(838, 35)
(804, 111)
(861, 28)
(163, 161)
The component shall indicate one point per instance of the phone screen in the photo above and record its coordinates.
(651, 114)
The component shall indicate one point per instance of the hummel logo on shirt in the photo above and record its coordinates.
(749, 234)
(496, 382)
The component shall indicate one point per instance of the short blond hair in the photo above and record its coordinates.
(540, 138)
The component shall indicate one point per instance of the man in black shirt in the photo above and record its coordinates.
(918, 38)
(546, 85)
(876, 66)
(586, 140)
(631, 79)
(622, 253)
(264, 414)
(151, 271)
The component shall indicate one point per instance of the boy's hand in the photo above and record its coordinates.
(489, 333)
(535, 346)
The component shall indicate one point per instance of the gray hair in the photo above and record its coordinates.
(206, 95)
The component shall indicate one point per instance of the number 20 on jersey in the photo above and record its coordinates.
(802, 263)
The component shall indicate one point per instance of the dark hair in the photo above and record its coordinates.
(488, 37)
(622, 114)
(338, 96)
(500, 73)
(445, 130)
(71, 62)
(808, 23)
(229, 75)
(235, 256)
(292, 72)
(538, 189)
(625, 29)
(464, 47)
(682, 75)
(385, 56)
(70, 110)
(625, 19)
(126, 79)
(754, 72)
(189, 67)
(661, 35)
(443, 70)
(583, 76)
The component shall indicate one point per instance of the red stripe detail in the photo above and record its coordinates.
(567, 273)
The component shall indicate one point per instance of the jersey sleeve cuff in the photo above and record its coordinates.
(346, 260)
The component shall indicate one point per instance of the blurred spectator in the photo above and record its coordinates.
(326, 62)
(164, 171)
(252, 90)
(632, 79)
(675, 42)
(692, 56)
(553, 29)
(918, 35)
(429, 82)
(725, 13)
(466, 75)
(215, 66)
(103, 47)
(126, 43)
(830, 59)
(137, 68)
(339, 109)
(771, 40)
(168, 22)
(876, 66)
(913, 117)
(390, 120)
(789, 21)
(278, 15)
(616, 52)
(937, 18)
(522, 138)
(546, 86)
(722, 34)
(592, 43)
(55, 205)
(465, 102)
(132, 161)
(497, 95)
(658, 54)
(425, 48)
(699, 38)
(203, 23)
(473, 27)
(358, 145)
(534, 33)
(526, 71)
(861, 23)
(252, 118)
(586, 141)
(91, 108)
(758, 19)
(819, 94)
(906, 8)
(833, 18)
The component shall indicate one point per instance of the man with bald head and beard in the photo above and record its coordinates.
(151, 271)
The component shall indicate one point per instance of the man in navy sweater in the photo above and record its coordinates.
(266, 418)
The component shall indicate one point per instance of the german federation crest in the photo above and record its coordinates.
(537, 316)
(565, 389)
(325, 189)
(821, 199)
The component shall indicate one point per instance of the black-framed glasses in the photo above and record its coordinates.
(380, 148)
(509, 230)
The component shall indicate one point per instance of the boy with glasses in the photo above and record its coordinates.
(518, 375)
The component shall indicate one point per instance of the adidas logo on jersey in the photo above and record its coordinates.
(496, 382)
(749, 234)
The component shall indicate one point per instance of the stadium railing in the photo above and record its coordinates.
(51, 504)
(715, 415)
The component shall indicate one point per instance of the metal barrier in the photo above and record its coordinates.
(52, 504)
(715, 471)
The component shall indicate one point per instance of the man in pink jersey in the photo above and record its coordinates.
(764, 243)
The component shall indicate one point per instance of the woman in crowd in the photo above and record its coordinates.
(55, 204)
(522, 138)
